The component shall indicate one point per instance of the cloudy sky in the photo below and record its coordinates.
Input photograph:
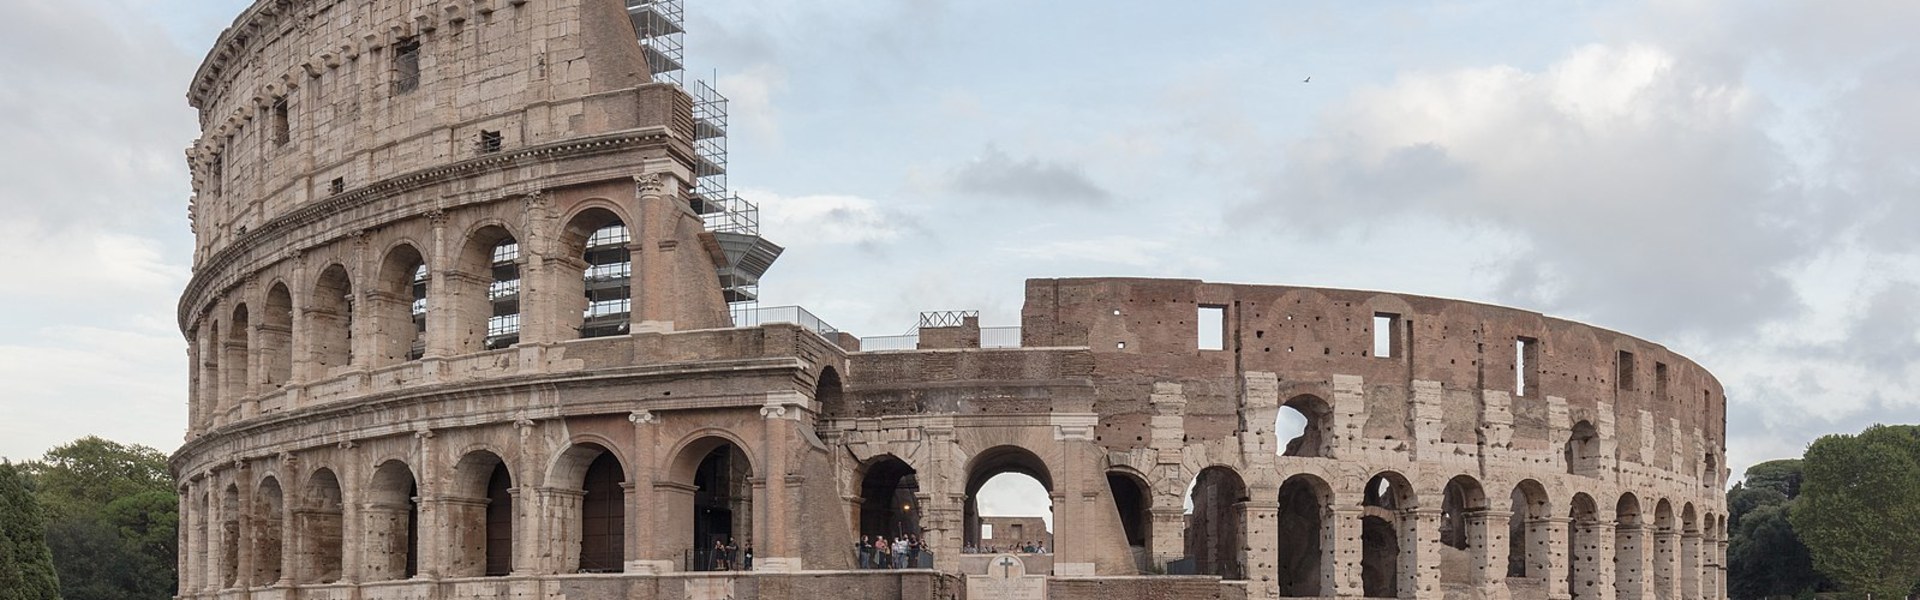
(1739, 179)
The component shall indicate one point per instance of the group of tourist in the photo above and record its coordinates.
(728, 557)
(1027, 547)
(878, 552)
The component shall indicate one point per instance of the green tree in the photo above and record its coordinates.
(1765, 557)
(26, 566)
(113, 519)
(1859, 509)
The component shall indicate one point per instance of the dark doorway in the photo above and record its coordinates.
(603, 517)
(499, 522)
(888, 499)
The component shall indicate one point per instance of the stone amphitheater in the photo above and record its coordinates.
(460, 327)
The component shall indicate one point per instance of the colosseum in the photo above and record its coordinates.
(466, 322)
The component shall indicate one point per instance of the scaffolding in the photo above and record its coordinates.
(733, 222)
(662, 35)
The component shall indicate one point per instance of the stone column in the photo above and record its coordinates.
(1547, 538)
(1420, 553)
(193, 528)
(1720, 574)
(775, 551)
(1487, 536)
(1260, 536)
(442, 303)
(1341, 546)
(353, 530)
(1593, 561)
(1690, 567)
(1630, 562)
(560, 525)
(1666, 559)
(436, 544)
(644, 525)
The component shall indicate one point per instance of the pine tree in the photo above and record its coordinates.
(26, 566)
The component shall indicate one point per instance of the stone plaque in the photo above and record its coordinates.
(1007, 579)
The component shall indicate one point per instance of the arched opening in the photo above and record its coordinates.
(481, 516)
(330, 323)
(1629, 544)
(318, 522)
(268, 504)
(1583, 450)
(393, 523)
(1665, 551)
(276, 337)
(603, 516)
(1304, 427)
(1463, 534)
(489, 298)
(1689, 552)
(828, 393)
(401, 305)
(1009, 502)
(1387, 495)
(1583, 549)
(237, 374)
(1214, 529)
(889, 503)
(722, 505)
(1133, 500)
(601, 239)
(1529, 549)
(230, 537)
(1303, 510)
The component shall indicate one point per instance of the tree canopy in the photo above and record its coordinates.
(1859, 509)
(26, 566)
(112, 519)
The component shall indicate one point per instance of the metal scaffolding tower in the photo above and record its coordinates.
(733, 222)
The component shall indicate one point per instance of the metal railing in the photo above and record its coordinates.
(783, 314)
(999, 337)
(946, 318)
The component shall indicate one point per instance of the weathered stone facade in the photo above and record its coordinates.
(455, 333)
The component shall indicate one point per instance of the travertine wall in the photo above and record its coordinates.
(327, 458)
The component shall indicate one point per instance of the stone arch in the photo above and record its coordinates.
(1690, 534)
(393, 523)
(1316, 438)
(889, 498)
(1306, 503)
(318, 523)
(991, 463)
(598, 237)
(237, 377)
(1463, 507)
(1629, 548)
(1216, 528)
(1529, 538)
(592, 494)
(487, 289)
(230, 537)
(276, 336)
(269, 504)
(329, 315)
(716, 502)
(1666, 550)
(1582, 452)
(399, 304)
(1385, 498)
(829, 393)
(481, 516)
(1133, 501)
(1586, 568)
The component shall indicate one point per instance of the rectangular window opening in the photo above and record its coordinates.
(282, 123)
(1212, 327)
(1660, 380)
(1624, 378)
(491, 142)
(337, 186)
(1386, 334)
(406, 66)
(1526, 361)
